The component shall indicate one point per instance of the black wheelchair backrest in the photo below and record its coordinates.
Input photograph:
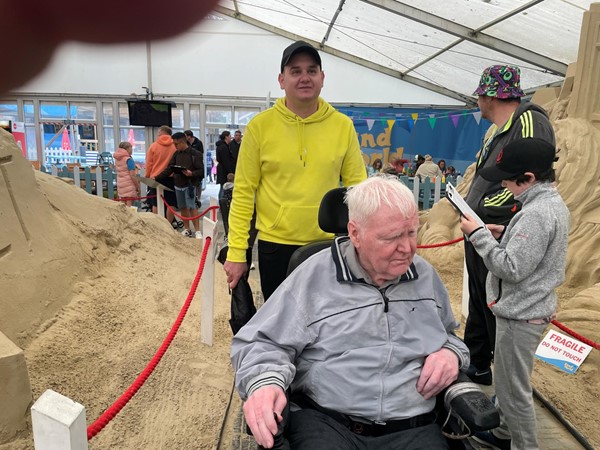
(333, 212)
(333, 218)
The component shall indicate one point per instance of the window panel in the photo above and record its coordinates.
(243, 115)
(107, 114)
(177, 116)
(53, 111)
(83, 111)
(218, 114)
(9, 111)
(28, 113)
(195, 117)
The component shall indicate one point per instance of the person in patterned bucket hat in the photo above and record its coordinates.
(500, 81)
(499, 98)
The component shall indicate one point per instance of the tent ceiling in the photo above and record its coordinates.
(441, 45)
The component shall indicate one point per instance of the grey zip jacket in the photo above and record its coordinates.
(347, 344)
(529, 261)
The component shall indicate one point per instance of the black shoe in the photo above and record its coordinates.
(487, 438)
(480, 376)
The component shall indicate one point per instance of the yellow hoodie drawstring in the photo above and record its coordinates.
(303, 151)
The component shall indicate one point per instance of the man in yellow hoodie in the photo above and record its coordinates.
(291, 155)
(157, 159)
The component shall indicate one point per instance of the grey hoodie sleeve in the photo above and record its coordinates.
(263, 352)
(521, 249)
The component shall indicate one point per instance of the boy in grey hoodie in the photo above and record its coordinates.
(526, 262)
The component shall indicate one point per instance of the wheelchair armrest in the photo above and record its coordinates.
(466, 400)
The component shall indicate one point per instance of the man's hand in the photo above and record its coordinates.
(440, 369)
(259, 409)
(188, 173)
(234, 271)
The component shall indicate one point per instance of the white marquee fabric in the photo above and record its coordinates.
(442, 45)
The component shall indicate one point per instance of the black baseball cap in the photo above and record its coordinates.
(299, 47)
(519, 156)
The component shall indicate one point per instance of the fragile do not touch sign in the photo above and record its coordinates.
(562, 351)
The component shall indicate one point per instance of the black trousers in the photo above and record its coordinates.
(480, 329)
(273, 260)
(309, 429)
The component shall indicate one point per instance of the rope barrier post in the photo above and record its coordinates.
(160, 205)
(58, 423)
(209, 229)
(143, 187)
(214, 201)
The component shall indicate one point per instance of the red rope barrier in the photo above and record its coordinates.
(576, 335)
(118, 405)
(210, 208)
(124, 199)
(441, 244)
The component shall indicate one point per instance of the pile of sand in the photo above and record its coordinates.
(91, 289)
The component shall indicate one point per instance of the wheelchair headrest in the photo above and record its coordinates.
(333, 212)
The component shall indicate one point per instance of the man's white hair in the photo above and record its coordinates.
(367, 197)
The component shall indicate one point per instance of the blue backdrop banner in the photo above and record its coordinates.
(452, 135)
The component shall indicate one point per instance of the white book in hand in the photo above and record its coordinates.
(461, 206)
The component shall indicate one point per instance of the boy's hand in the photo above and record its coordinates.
(496, 230)
(187, 173)
(468, 225)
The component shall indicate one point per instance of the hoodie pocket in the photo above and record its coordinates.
(302, 220)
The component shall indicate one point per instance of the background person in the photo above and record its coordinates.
(224, 160)
(193, 141)
(442, 165)
(234, 146)
(375, 168)
(293, 154)
(499, 100)
(158, 156)
(362, 333)
(186, 181)
(128, 185)
(428, 169)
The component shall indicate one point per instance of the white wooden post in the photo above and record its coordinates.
(99, 187)
(213, 201)
(209, 229)
(143, 187)
(160, 206)
(76, 177)
(54, 170)
(437, 191)
(58, 423)
(416, 189)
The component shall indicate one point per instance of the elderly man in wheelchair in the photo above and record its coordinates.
(356, 343)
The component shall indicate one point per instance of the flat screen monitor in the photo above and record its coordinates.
(150, 113)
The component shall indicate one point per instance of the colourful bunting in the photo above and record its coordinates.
(432, 120)
(454, 118)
